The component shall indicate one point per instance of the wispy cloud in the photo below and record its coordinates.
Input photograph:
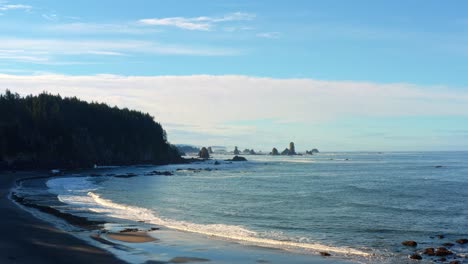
(202, 23)
(99, 28)
(6, 7)
(44, 51)
(270, 35)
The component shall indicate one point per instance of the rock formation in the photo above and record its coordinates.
(292, 149)
(204, 154)
(236, 151)
(274, 152)
(285, 151)
(237, 158)
(210, 151)
(252, 152)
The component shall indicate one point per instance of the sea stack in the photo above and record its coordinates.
(274, 152)
(236, 151)
(204, 154)
(210, 151)
(292, 149)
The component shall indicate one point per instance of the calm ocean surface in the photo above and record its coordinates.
(356, 206)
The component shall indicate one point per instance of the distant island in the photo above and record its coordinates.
(48, 131)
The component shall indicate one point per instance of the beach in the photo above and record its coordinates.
(26, 239)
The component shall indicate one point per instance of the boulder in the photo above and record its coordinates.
(204, 154)
(409, 243)
(429, 251)
(415, 256)
(462, 241)
(442, 252)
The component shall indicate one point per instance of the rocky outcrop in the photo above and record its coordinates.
(292, 149)
(237, 158)
(285, 151)
(252, 152)
(204, 154)
(274, 152)
(462, 241)
(210, 151)
(429, 251)
(315, 151)
(442, 252)
(236, 151)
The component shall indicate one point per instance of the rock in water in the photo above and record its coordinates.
(204, 154)
(415, 256)
(292, 149)
(274, 152)
(325, 254)
(462, 241)
(236, 151)
(409, 243)
(237, 158)
(442, 252)
(210, 151)
(429, 251)
(285, 151)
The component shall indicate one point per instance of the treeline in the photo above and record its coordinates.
(48, 131)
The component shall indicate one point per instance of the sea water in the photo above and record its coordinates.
(356, 206)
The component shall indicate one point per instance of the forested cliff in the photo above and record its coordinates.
(48, 131)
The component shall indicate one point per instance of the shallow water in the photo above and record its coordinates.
(356, 206)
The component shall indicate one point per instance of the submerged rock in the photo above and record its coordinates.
(462, 241)
(409, 243)
(415, 256)
(429, 251)
(442, 252)
(325, 254)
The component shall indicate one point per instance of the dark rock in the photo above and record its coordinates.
(442, 259)
(216, 163)
(462, 241)
(204, 154)
(448, 244)
(415, 256)
(252, 152)
(429, 251)
(210, 150)
(442, 252)
(324, 254)
(162, 173)
(154, 228)
(292, 149)
(409, 243)
(440, 236)
(274, 152)
(237, 158)
(128, 230)
(454, 262)
(236, 151)
(285, 151)
(438, 166)
(314, 151)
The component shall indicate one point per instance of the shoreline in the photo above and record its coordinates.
(27, 239)
(108, 240)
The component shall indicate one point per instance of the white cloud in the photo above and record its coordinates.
(45, 50)
(99, 28)
(203, 23)
(212, 104)
(7, 7)
(270, 35)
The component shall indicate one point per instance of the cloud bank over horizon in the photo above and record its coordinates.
(265, 112)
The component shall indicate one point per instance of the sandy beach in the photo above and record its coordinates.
(26, 239)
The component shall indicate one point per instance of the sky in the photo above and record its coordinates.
(334, 75)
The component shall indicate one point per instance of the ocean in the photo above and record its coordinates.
(356, 206)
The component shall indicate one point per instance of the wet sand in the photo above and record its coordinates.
(26, 239)
(131, 237)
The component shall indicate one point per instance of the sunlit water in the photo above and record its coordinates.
(357, 206)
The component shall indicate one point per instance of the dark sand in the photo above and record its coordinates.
(26, 239)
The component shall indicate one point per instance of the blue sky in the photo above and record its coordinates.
(411, 57)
